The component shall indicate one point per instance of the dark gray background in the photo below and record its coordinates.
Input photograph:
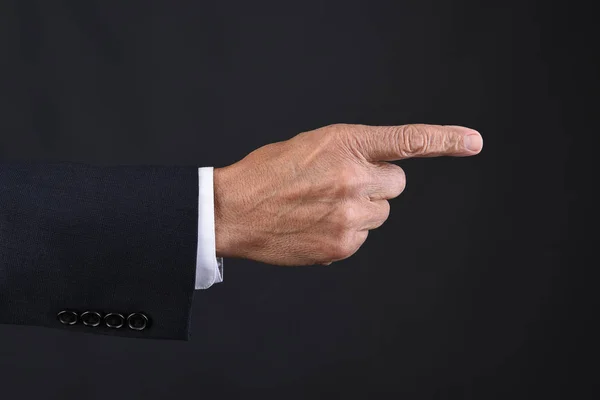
(473, 288)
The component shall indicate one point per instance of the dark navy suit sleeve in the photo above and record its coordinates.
(108, 250)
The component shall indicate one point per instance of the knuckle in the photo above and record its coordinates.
(349, 180)
(385, 213)
(381, 215)
(414, 141)
(401, 182)
(347, 176)
(393, 179)
(346, 218)
(386, 208)
(337, 128)
(342, 247)
(397, 178)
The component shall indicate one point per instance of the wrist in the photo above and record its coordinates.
(224, 242)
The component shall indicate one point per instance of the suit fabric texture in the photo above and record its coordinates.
(103, 240)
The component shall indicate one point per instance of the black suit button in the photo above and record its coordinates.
(91, 318)
(137, 321)
(67, 317)
(114, 320)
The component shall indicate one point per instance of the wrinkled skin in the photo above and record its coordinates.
(312, 199)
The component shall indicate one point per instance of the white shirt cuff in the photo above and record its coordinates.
(209, 267)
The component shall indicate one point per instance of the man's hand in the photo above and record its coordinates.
(313, 199)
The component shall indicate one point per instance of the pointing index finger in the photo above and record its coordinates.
(390, 143)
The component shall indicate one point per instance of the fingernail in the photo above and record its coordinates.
(473, 142)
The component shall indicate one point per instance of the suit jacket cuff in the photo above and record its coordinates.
(108, 240)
